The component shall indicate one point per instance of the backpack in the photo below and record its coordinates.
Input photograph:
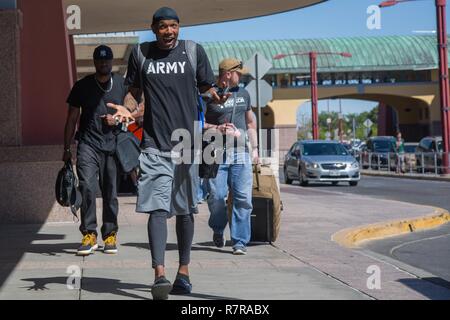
(66, 188)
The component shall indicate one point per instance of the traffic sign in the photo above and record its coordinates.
(258, 65)
(260, 91)
(368, 123)
(265, 92)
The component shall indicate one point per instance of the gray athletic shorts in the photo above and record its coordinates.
(164, 185)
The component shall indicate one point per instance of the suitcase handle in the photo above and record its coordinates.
(257, 171)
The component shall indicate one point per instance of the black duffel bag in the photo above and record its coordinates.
(206, 170)
(66, 188)
(127, 151)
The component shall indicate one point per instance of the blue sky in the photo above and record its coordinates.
(334, 18)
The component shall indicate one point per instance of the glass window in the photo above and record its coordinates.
(292, 148)
(410, 148)
(433, 146)
(383, 145)
(425, 144)
(323, 149)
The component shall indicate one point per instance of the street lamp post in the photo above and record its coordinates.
(314, 96)
(443, 73)
(314, 82)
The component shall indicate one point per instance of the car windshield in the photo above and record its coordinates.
(324, 149)
(382, 145)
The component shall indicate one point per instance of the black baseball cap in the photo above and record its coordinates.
(103, 53)
(165, 13)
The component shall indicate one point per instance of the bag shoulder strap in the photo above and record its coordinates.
(141, 48)
(191, 51)
(234, 106)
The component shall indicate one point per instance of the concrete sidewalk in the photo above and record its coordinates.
(37, 261)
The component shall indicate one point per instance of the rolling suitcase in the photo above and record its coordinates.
(267, 206)
(262, 220)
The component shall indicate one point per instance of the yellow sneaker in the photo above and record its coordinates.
(111, 244)
(88, 244)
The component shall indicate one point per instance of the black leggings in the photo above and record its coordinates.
(157, 236)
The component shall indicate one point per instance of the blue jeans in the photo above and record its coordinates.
(237, 176)
(202, 190)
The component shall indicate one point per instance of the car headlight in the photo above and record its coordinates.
(311, 165)
(355, 165)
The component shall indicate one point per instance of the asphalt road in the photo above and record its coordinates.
(426, 250)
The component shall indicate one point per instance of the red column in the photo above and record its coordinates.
(46, 71)
(443, 78)
(72, 55)
(314, 82)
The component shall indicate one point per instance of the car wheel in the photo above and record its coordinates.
(353, 183)
(301, 179)
(286, 177)
(335, 183)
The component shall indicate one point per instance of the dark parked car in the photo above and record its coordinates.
(429, 152)
(379, 153)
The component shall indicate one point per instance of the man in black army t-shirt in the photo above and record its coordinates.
(96, 147)
(170, 85)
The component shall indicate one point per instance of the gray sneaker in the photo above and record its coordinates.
(161, 289)
(240, 251)
(219, 240)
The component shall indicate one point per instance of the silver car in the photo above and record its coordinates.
(320, 161)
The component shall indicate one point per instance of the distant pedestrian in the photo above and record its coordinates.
(399, 148)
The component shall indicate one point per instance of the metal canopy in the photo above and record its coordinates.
(101, 16)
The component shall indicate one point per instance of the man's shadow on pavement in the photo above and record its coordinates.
(54, 249)
(93, 285)
(26, 244)
(108, 286)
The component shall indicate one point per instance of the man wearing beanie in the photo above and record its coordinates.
(96, 163)
(170, 78)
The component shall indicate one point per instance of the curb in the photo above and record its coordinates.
(405, 176)
(352, 237)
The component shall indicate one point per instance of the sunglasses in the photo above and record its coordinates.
(238, 66)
